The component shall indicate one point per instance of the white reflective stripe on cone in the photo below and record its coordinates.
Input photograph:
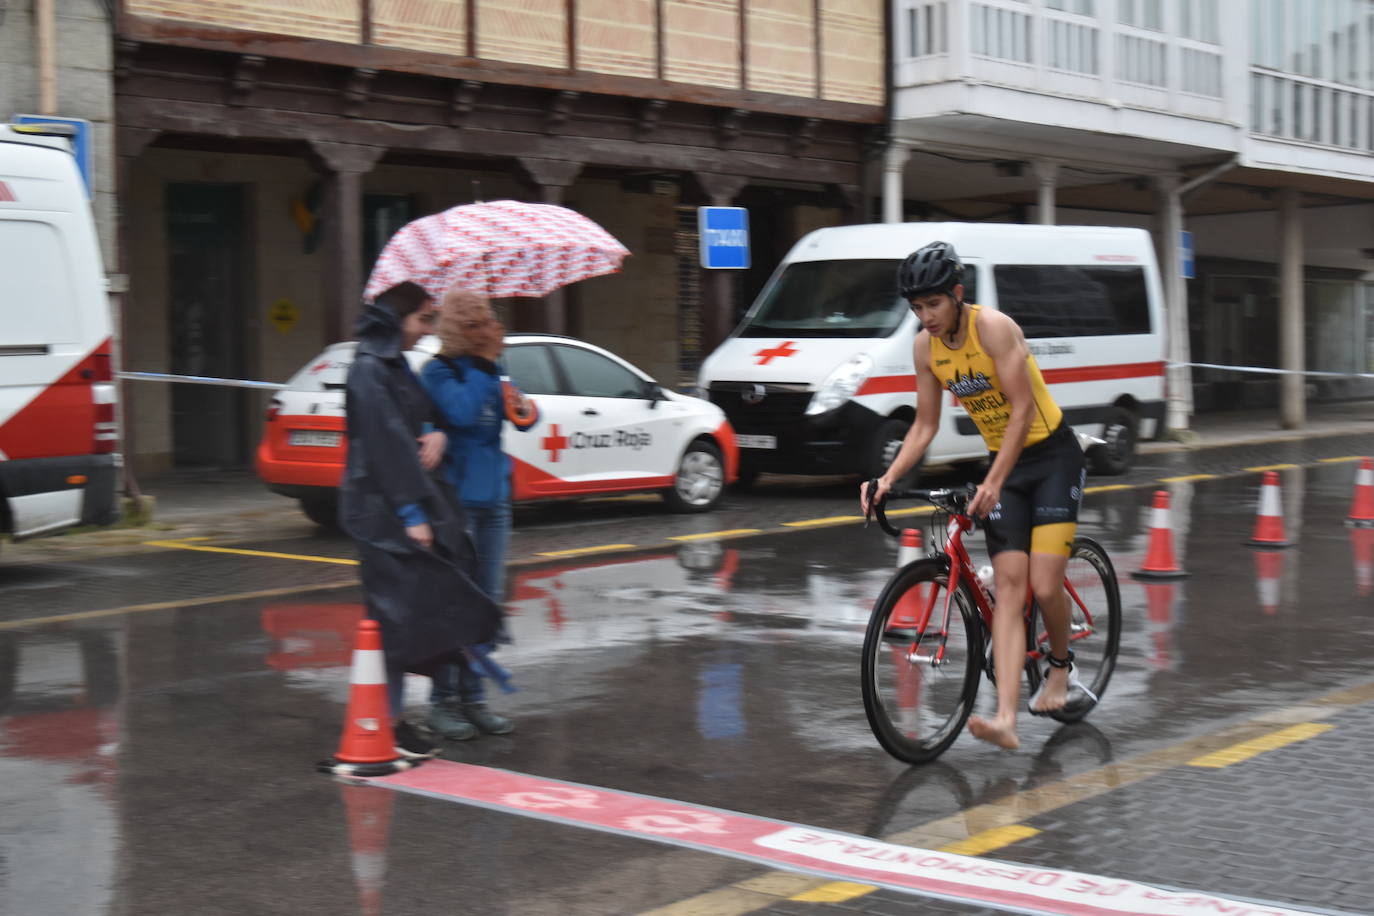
(1364, 477)
(1269, 500)
(369, 667)
(1160, 518)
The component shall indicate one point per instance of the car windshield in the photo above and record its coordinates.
(851, 298)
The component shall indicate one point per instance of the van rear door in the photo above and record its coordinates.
(57, 427)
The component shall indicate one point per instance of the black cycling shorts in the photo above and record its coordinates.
(1038, 511)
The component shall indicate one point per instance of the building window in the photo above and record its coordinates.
(1199, 20)
(1143, 14)
(925, 24)
(1081, 7)
(383, 214)
(1001, 33)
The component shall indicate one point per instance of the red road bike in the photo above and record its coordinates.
(929, 636)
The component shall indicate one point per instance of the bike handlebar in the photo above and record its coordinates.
(952, 499)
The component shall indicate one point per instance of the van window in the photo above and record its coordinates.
(40, 303)
(1050, 300)
(852, 298)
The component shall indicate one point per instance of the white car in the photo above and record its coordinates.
(604, 427)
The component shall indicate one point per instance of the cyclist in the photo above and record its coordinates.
(1031, 494)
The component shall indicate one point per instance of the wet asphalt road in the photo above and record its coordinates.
(156, 740)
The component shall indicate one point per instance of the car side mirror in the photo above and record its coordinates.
(653, 393)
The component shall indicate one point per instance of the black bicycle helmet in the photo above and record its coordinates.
(933, 268)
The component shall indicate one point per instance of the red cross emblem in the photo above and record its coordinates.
(554, 442)
(783, 349)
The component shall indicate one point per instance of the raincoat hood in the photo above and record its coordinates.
(379, 332)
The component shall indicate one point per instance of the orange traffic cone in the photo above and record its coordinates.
(906, 615)
(1159, 559)
(1362, 548)
(1269, 520)
(1268, 574)
(369, 816)
(1159, 597)
(1362, 506)
(367, 747)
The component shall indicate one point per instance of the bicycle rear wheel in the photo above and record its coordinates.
(1094, 626)
(915, 706)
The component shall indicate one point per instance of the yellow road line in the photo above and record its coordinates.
(1346, 458)
(832, 520)
(578, 551)
(1273, 467)
(1187, 477)
(834, 892)
(173, 605)
(733, 532)
(976, 845)
(1116, 486)
(914, 510)
(988, 840)
(1256, 746)
(180, 545)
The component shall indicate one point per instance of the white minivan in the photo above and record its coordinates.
(58, 459)
(818, 377)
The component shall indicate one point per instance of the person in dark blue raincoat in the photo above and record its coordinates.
(417, 560)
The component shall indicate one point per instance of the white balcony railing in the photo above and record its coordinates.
(1070, 48)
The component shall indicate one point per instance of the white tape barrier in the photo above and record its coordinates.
(199, 380)
(277, 386)
(1255, 369)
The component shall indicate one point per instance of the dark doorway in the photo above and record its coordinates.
(208, 274)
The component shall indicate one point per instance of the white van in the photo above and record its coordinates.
(58, 460)
(818, 377)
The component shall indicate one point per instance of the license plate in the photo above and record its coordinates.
(316, 437)
(756, 441)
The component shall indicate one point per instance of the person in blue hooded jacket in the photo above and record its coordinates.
(465, 382)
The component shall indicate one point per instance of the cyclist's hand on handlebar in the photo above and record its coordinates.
(880, 489)
(984, 500)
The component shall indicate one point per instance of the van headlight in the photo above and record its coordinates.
(841, 385)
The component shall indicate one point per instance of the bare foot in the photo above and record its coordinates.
(1055, 692)
(994, 731)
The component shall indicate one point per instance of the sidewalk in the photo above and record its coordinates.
(1249, 427)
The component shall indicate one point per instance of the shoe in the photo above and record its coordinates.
(487, 721)
(447, 720)
(408, 742)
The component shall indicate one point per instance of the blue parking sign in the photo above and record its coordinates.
(724, 233)
(81, 143)
(1186, 257)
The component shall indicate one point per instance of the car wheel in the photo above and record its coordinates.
(883, 448)
(322, 510)
(1116, 454)
(699, 481)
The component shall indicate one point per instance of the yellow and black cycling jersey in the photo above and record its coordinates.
(970, 374)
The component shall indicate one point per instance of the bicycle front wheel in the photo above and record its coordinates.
(1094, 625)
(916, 696)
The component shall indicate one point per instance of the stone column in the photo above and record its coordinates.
(554, 177)
(718, 309)
(894, 164)
(1180, 403)
(130, 142)
(1292, 387)
(344, 273)
(1046, 177)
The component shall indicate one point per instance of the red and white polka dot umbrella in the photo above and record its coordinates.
(497, 248)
